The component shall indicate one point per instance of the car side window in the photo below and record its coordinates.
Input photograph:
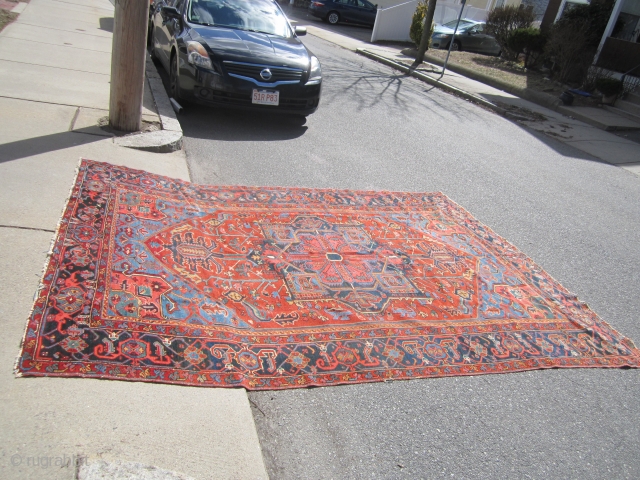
(179, 4)
(479, 28)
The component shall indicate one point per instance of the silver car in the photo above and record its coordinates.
(470, 36)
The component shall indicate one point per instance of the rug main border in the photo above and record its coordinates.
(505, 250)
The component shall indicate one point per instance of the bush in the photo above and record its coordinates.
(593, 75)
(609, 86)
(417, 23)
(529, 41)
(569, 51)
(501, 21)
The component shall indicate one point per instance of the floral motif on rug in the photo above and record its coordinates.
(156, 279)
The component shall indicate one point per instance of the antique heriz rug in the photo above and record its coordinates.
(159, 280)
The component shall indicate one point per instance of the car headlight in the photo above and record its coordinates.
(441, 35)
(315, 72)
(197, 55)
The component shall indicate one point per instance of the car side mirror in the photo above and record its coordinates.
(171, 12)
(300, 31)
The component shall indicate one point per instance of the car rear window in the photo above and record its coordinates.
(452, 24)
(261, 16)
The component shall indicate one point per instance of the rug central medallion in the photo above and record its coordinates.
(301, 270)
(328, 261)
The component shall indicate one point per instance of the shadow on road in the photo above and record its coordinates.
(236, 126)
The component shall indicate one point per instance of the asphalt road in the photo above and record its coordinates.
(576, 217)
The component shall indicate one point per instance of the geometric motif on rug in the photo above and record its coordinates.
(160, 280)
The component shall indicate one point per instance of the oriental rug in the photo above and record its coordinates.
(159, 280)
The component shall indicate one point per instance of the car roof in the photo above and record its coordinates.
(464, 20)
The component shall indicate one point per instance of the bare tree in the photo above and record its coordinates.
(426, 31)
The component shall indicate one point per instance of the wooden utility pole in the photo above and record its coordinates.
(131, 18)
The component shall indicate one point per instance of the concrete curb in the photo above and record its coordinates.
(432, 81)
(19, 8)
(549, 101)
(167, 140)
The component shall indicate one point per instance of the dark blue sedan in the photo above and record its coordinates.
(235, 53)
(349, 11)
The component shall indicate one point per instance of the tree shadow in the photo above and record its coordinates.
(360, 77)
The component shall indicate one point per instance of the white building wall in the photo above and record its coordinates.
(393, 22)
(447, 10)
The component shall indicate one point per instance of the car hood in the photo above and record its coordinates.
(252, 47)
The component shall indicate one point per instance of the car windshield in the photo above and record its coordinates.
(261, 16)
(452, 24)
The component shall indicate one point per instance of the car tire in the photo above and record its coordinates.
(150, 45)
(333, 18)
(174, 84)
(456, 47)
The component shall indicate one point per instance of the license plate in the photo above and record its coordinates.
(266, 97)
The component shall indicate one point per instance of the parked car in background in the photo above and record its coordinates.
(348, 11)
(470, 36)
(235, 53)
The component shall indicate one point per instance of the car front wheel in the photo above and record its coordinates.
(456, 47)
(150, 43)
(333, 18)
(174, 85)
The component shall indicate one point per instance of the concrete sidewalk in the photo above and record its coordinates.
(54, 86)
(560, 124)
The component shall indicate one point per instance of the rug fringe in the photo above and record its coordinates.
(17, 373)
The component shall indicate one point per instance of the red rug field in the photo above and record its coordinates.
(159, 280)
